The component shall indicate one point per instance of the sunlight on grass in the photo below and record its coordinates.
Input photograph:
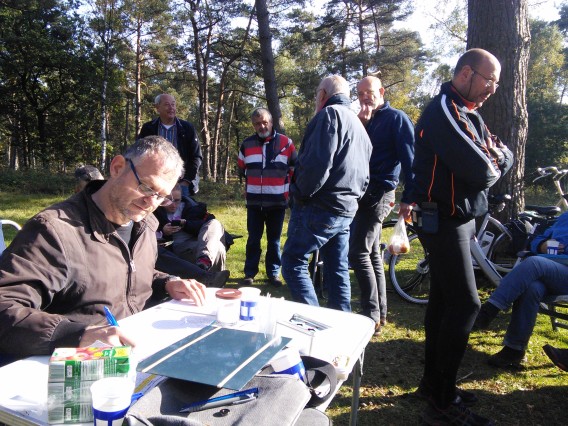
(394, 360)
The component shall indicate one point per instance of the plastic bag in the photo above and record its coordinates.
(398, 243)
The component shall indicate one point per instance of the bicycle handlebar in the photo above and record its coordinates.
(550, 171)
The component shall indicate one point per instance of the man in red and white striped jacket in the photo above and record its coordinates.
(266, 159)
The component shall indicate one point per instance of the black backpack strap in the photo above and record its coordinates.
(321, 379)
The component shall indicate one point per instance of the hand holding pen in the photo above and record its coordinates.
(222, 401)
(110, 317)
(113, 335)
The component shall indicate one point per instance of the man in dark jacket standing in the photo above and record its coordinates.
(95, 249)
(331, 175)
(392, 135)
(456, 161)
(182, 135)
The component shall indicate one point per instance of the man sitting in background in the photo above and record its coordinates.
(195, 233)
(172, 264)
(524, 288)
(86, 174)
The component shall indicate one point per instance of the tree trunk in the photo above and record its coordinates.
(138, 79)
(102, 162)
(126, 136)
(228, 143)
(361, 30)
(201, 69)
(502, 28)
(268, 73)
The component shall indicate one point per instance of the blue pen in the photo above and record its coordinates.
(110, 317)
(219, 401)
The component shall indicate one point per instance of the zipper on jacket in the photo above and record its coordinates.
(131, 265)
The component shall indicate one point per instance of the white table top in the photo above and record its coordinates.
(23, 384)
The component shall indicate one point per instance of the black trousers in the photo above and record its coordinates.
(452, 307)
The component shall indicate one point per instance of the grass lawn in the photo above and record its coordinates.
(393, 361)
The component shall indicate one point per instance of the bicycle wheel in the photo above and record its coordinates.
(410, 272)
(503, 254)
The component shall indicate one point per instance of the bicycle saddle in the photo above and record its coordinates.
(544, 210)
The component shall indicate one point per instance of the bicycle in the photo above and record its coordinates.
(494, 250)
(557, 176)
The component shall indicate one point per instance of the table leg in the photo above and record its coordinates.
(357, 374)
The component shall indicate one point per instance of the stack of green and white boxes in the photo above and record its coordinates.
(72, 371)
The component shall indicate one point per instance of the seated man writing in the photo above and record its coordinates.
(195, 233)
(524, 288)
(96, 249)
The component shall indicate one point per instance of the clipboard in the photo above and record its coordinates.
(216, 356)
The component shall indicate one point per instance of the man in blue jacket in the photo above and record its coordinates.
(524, 288)
(182, 135)
(392, 135)
(331, 175)
(456, 161)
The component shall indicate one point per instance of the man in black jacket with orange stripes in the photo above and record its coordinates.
(456, 161)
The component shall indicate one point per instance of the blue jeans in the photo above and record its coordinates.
(524, 288)
(257, 218)
(310, 229)
(366, 257)
(185, 191)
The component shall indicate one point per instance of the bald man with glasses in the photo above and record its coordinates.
(95, 249)
(456, 161)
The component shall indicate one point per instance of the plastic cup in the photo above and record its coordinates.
(111, 400)
(288, 361)
(249, 303)
(228, 306)
(552, 247)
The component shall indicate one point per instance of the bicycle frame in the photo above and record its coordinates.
(483, 262)
(557, 176)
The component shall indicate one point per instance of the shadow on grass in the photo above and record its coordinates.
(392, 371)
(515, 408)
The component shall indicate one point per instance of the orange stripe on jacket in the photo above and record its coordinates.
(432, 178)
(471, 134)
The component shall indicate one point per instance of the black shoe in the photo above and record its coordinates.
(247, 281)
(455, 414)
(464, 397)
(558, 356)
(218, 279)
(508, 358)
(486, 315)
(275, 281)
(378, 328)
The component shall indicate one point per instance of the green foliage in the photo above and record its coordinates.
(36, 181)
(547, 140)
(47, 83)
(52, 68)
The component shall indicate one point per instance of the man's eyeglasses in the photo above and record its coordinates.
(488, 81)
(146, 191)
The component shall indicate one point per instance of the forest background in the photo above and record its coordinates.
(78, 77)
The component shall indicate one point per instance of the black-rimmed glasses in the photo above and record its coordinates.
(488, 81)
(146, 191)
